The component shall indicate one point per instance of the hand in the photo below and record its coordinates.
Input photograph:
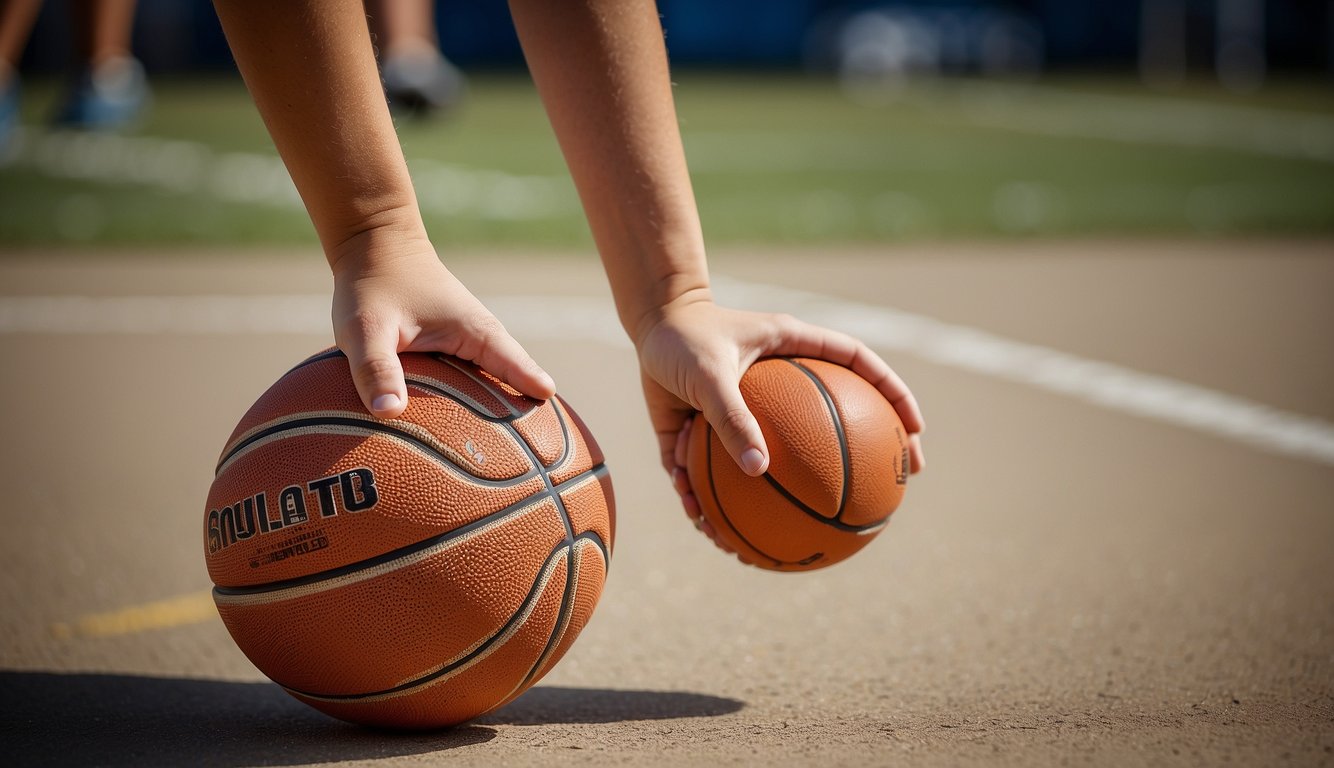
(692, 358)
(402, 299)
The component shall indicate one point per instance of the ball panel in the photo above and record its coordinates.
(399, 620)
(877, 442)
(542, 429)
(321, 385)
(590, 570)
(765, 520)
(415, 497)
(494, 673)
(801, 432)
(480, 448)
(591, 508)
(493, 397)
(583, 453)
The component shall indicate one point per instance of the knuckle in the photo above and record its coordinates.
(485, 326)
(376, 367)
(733, 422)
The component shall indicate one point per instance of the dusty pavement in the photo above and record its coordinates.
(1076, 579)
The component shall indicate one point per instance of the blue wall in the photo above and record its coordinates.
(184, 34)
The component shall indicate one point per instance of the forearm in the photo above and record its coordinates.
(311, 70)
(601, 69)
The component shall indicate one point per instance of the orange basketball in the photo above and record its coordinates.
(411, 572)
(838, 467)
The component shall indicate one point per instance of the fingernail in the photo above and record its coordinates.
(751, 461)
(385, 403)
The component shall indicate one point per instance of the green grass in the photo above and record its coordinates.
(775, 159)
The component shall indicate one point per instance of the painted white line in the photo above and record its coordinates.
(1146, 120)
(590, 319)
(175, 166)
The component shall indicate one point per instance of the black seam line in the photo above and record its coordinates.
(488, 417)
(486, 385)
(838, 429)
(564, 433)
(566, 600)
(343, 570)
(315, 358)
(533, 595)
(389, 430)
(832, 522)
(713, 488)
(563, 618)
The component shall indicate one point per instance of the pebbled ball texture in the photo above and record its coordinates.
(412, 572)
(838, 467)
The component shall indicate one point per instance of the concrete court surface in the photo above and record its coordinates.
(1067, 584)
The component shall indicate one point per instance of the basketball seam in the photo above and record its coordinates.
(567, 602)
(351, 423)
(832, 522)
(839, 432)
(443, 389)
(334, 573)
(372, 567)
(315, 358)
(718, 503)
(563, 618)
(486, 385)
(468, 658)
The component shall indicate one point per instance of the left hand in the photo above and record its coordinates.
(692, 358)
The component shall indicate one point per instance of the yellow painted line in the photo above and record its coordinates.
(194, 608)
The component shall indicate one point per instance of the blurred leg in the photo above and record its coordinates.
(16, 20)
(402, 25)
(418, 79)
(102, 29)
(110, 91)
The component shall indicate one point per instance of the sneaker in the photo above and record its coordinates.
(421, 81)
(111, 96)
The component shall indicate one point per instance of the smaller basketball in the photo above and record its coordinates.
(838, 467)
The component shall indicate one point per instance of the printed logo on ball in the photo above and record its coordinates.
(350, 491)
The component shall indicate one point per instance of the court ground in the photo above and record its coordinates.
(1122, 552)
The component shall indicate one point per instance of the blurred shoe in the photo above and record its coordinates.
(420, 82)
(111, 96)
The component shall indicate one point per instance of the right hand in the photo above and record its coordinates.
(400, 298)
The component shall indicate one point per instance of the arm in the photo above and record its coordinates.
(601, 69)
(311, 70)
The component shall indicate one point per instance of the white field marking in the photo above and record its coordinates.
(1041, 110)
(590, 319)
(1145, 120)
(178, 167)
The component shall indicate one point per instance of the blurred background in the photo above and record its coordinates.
(806, 121)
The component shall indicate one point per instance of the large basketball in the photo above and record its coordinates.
(838, 467)
(412, 572)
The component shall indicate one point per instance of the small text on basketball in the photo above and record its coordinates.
(350, 491)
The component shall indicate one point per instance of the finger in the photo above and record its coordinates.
(680, 481)
(681, 451)
(691, 505)
(916, 457)
(800, 338)
(736, 427)
(507, 360)
(372, 354)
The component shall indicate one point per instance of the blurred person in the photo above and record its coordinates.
(601, 70)
(108, 91)
(418, 79)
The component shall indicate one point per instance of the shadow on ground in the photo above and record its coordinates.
(53, 718)
(546, 705)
